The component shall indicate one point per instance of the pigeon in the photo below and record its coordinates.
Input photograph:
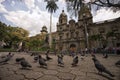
(2, 56)
(75, 61)
(42, 61)
(18, 60)
(25, 64)
(105, 56)
(117, 63)
(101, 68)
(33, 54)
(9, 54)
(48, 51)
(36, 58)
(93, 55)
(6, 58)
(60, 61)
(48, 58)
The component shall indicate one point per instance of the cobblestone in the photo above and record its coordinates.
(84, 71)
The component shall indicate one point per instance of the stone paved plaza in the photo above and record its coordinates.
(84, 71)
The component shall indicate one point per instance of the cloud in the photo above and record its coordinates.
(2, 9)
(32, 22)
(30, 3)
(1, 1)
(12, 3)
(37, 16)
(105, 14)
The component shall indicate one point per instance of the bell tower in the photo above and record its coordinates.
(85, 13)
(63, 18)
(62, 22)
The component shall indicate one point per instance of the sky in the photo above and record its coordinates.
(32, 14)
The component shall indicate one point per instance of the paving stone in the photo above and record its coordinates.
(76, 68)
(13, 77)
(33, 75)
(66, 76)
(97, 76)
(84, 71)
(5, 73)
(62, 69)
(48, 77)
(13, 67)
(80, 78)
(22, 71)
(53, 67)
(80, 73)
(52, 72)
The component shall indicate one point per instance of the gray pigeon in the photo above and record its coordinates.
(105, 56)
(75, 61)
(6, 58)
(33, 54)
(18, 60)
(36, 58)
(48, 58)
(101, 68)
(117, 63)
(25, 64)
(60, 61)
(42, 61)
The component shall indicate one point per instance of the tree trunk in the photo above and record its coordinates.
(50, 35)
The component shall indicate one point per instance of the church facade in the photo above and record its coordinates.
(86, 34)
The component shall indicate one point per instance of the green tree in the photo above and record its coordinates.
(107, 3)
(12, 35)
(74, 5)
(52, 7)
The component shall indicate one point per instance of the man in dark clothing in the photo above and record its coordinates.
(72, 50)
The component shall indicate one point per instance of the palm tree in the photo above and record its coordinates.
(52, 7)
(73, 6)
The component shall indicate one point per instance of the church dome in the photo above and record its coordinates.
(71, 21)
(63, 18)
(44, 29)
(63, 13)
(84, 10)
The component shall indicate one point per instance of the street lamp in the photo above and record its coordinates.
(86, 30)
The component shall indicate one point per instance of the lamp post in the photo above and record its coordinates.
(86, 30)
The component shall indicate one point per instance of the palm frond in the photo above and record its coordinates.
(51, 6)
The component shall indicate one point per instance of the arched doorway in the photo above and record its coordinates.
(72, 49)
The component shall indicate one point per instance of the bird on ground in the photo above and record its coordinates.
(93, 55)
(3, 56)
(25, 64)
(75, 61)
(60, 61)
(6, 58)
(48, 58)
(105, 56)
(48, 51)
(33, 54)
(117, 63)
(42, 61)
(9, 54)
(101, 68)
(18, 60)
(36, 58)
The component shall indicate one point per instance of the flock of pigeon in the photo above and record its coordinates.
(42, 61)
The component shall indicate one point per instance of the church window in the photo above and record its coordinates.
(114, 28)
(60, 37)
(101, 30)
(60, 21)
